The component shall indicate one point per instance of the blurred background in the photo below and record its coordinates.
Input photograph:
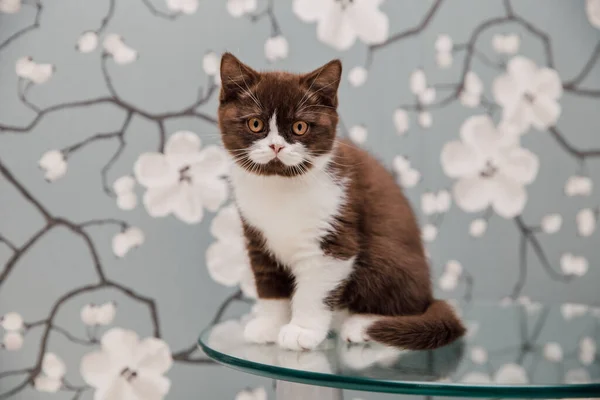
(487, 112)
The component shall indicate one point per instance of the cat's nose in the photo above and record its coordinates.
(276, 147)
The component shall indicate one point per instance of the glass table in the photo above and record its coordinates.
(510, 351)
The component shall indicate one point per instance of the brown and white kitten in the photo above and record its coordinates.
(327, 227)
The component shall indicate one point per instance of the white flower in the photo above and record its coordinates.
(357, 76)
(418, 81)
(453, 267)
(129, 239)
(425, 119)
(427, 96)
(53, 371)
(54, 164)
(183, 6)
(401, 121)
(227, 258)
(578, 186)
(358, 134)
(340, 23)
(238, 8)
(126, 197)
(443, 59)
(429, 233)
(511, 374)
(478, 227)
(87, 42)
(470, 95)
(10, 6)
(491, 168)
(551, 223)
(528, 95)
(127, 368)
(572, 310)
(443, 49)
(592, 9)
(443, 43)
(11, 321)
(433, 203)
(586, 222)
(93, 315)
(448, 282)
(506, 44)
(252, 394)
(587, 350)
(184, 179)
(37, 73)
(210, 63)
(408, 176)
(115, 46)
(276, 48)
(12, 341)
(479, 355)
(553, 352)
(573, 265)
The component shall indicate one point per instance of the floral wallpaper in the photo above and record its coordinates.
(118, 239)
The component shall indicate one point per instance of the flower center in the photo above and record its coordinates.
(184, 175)
(128, 374)
(345, 3)
(529, 97)
(488, 170)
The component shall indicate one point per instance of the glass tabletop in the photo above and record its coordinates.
(524, 350)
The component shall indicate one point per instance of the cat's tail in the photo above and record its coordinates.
(436, 327)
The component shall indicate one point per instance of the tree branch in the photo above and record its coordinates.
(579, 154)
(33, 26)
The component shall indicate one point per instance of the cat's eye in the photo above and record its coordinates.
(300, 128)
(255, 125)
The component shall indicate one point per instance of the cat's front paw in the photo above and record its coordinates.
(263, 330)
(294, 337)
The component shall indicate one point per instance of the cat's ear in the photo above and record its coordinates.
(325, 80)
(236, 77)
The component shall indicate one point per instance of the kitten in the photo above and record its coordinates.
(326, 226)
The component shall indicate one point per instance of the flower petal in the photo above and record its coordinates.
(227, 224)
(544, 112)
(370, 23)
(523, 70)
(473, 194)
(153, 169)
(547, 84)
(188, 204)
(459, 160)
(226, 262)
(308, 10)
(480, 134)
(183, 148)
(161, 201)
(509, 197)
(153, 356)
(98, 370)
(506, 90)
(53, 366)
(120, 344)
(519, 164)
(335, 28)
(150, 387)
(213, 162)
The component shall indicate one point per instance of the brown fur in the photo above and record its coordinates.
(377, 225)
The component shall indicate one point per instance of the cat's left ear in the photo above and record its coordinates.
(325, 80)
(236, 77)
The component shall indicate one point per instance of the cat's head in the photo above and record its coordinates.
(278, 123)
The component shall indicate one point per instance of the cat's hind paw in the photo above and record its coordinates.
(263, 330)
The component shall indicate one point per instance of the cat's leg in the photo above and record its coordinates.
(274, 286)
(316, 279)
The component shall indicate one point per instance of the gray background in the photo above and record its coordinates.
(169, 268)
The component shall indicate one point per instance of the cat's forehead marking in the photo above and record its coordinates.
(273, 130)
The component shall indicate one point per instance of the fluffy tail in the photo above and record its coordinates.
(436, 327)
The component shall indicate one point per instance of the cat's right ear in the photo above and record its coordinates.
(324, 81)
(236, 77)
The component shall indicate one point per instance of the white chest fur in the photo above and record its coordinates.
(293, 214)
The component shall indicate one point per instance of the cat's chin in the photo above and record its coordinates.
(276, 167)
